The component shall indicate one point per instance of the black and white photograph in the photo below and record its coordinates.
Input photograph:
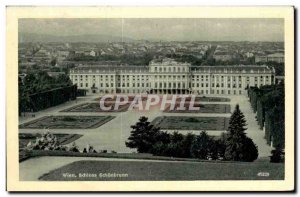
(105, 99)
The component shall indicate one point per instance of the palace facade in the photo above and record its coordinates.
(167, 76)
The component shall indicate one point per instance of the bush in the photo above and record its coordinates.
(68, 119)
(249, 150)
(74, 148)
(201, 145)
(277, 155)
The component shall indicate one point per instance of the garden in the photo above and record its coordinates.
(67, 122)
(191, 123)
(204, 108)
(95, 107)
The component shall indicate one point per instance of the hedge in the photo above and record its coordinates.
(50, 98)
(268, 104)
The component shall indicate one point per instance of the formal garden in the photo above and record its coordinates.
(191, 123)
(67, 122)
(95, 107)
(233, 145)
(204, 108)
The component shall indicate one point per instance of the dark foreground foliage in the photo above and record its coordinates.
(234, 146)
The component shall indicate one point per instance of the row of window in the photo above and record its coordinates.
(170, 69)
(164, 85)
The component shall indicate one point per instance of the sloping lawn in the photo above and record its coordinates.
(149, 170)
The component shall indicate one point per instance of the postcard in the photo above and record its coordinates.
(150, 98)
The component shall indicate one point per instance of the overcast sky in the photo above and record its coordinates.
(163, 29)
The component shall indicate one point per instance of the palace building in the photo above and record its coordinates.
(167, 76)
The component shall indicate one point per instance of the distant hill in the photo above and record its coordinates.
(32, 37)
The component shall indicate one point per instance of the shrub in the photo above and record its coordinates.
(74, 148)
(201, 145)
(277, 155)
(68, 119)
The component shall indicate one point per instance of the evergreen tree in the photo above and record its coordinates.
(143, 136)
(186, 144)
(238, 146)
(200, 146)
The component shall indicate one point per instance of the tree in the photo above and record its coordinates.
(143, 136)
(186, 145)
(63, 79)
(277, 155)
(249, 149)
(238, 146)
(200, 146)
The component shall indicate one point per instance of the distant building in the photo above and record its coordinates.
(276, 57)
(222, 56)
(92, 53)
(170, 77)
(55, 74)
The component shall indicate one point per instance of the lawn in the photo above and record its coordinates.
(149, 170)
(198, 98)
(95, 107)
(212, 99)
(67, 122)
(204, 108)
(191, 123)
(130, 98)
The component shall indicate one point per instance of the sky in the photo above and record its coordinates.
(184, 29)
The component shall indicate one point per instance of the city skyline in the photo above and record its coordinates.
(188, 29)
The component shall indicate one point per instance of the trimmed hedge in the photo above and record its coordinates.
(50, 98)
(268, 104)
